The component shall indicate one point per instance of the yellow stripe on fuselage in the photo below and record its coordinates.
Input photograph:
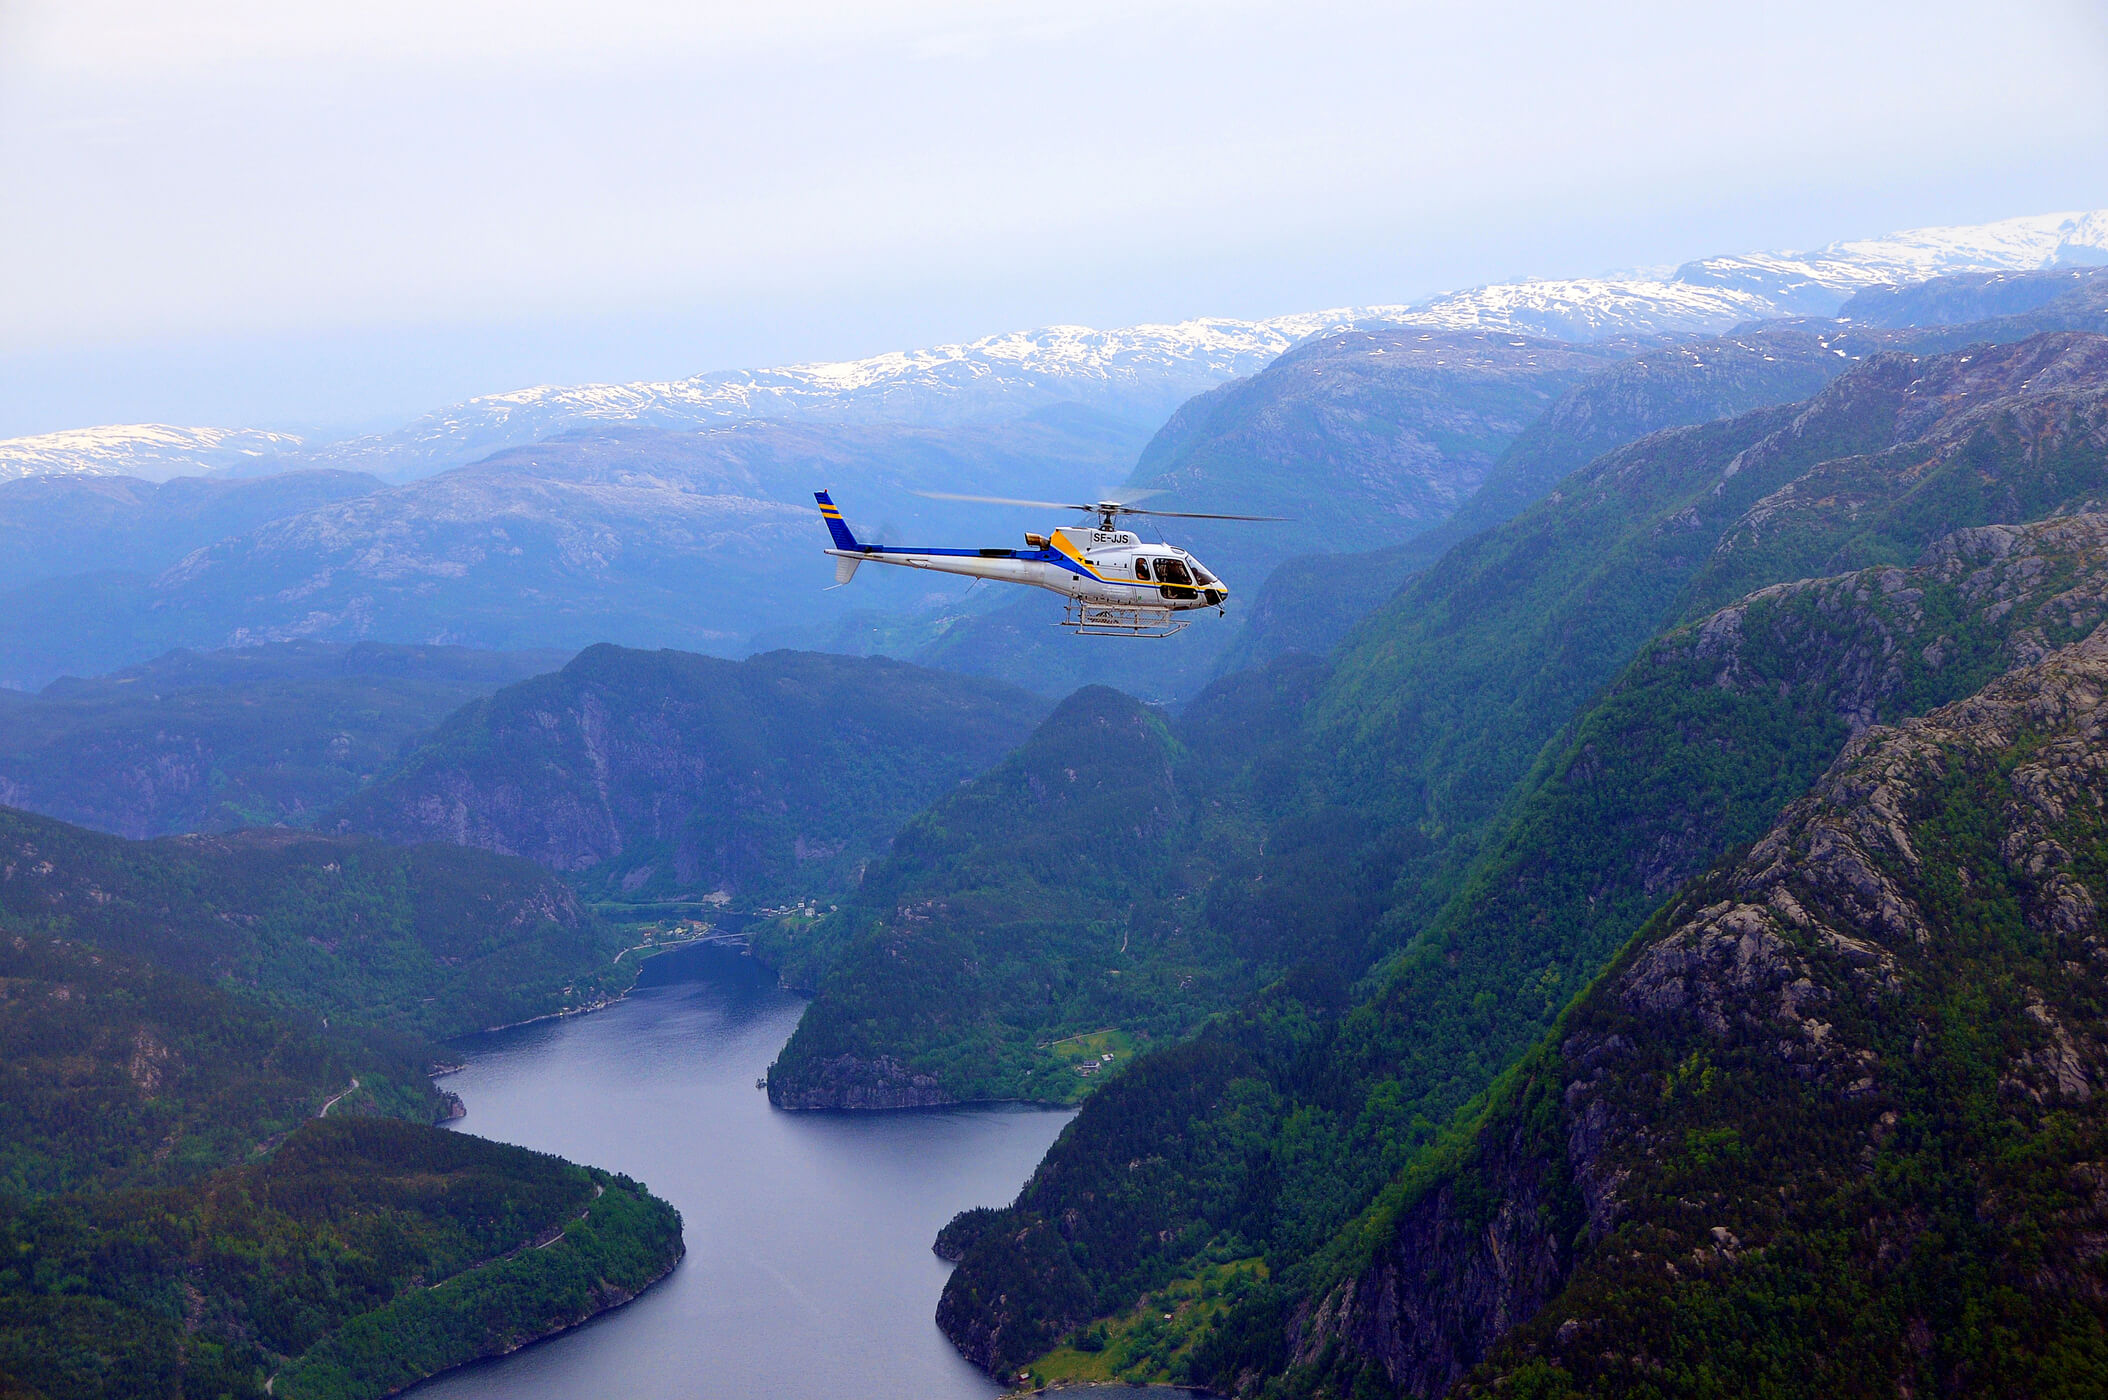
(1061, 542)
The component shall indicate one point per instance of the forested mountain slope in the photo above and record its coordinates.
(432, 940)
(1989, 433)
(1857, 1069)
(174, 1013)
(1322, 1094)
(116, 1073)
(211, 741)
(647, 773)
(1361, 438)
(1710, 732)
(1312, 602)
(358, 1258)
(1056, 894)
(1441, 701)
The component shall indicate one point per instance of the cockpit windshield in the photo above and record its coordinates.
(1201, 575)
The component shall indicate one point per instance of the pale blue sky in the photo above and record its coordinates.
(317, 214)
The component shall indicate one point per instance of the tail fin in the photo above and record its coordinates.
(836, 526)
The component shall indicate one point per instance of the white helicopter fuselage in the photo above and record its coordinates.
(1098, 566)
(1094, 567)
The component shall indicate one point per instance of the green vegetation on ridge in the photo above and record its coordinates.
(361, 1256)
(1053, 895)
(429, 940)
(115, 1073)
(644, 774)
(212, 741)
(174, 1221)
(1830, 1126)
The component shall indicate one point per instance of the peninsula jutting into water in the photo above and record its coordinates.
(809, 1273)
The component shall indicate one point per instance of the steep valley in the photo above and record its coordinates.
(1523, 867)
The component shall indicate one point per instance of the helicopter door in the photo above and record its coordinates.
(1177, 583)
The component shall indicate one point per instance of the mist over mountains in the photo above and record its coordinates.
(1140, 373)
(679, 513)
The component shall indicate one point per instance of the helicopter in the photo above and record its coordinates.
(1115, 585)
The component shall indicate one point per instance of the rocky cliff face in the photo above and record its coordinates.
(1862, 1062)
(1916, 446)
(854, 1082)
(1716, 726)
(649, 773)
(1310, 603)
(1361, 438)
(1467, 1263)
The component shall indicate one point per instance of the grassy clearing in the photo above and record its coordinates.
(1150, 1342)
(1095, 1052)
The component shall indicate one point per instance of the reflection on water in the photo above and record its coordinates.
(809, 1272)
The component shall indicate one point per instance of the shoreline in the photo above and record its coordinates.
(588, 1008)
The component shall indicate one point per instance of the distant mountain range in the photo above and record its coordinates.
(149, 451)
(1140, 372)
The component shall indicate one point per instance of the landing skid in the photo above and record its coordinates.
(1104, 620)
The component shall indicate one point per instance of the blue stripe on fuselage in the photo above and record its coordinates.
(949, 553)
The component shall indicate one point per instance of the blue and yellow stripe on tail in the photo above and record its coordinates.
(836, 526)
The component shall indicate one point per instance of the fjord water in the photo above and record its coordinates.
(809, 1274)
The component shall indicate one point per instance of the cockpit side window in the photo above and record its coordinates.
(1141, 568)
(1171, 571)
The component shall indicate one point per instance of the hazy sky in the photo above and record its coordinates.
(296, 214)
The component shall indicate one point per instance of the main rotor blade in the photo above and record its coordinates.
(1200, 514)
(1002, 501)
(1097, 507)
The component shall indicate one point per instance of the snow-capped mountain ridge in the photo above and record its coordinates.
(1141, 373)
(1146, 370)
(151, 451)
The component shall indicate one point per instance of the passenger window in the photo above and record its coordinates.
(1142, 568)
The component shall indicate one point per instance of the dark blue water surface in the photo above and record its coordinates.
(809, 1272)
